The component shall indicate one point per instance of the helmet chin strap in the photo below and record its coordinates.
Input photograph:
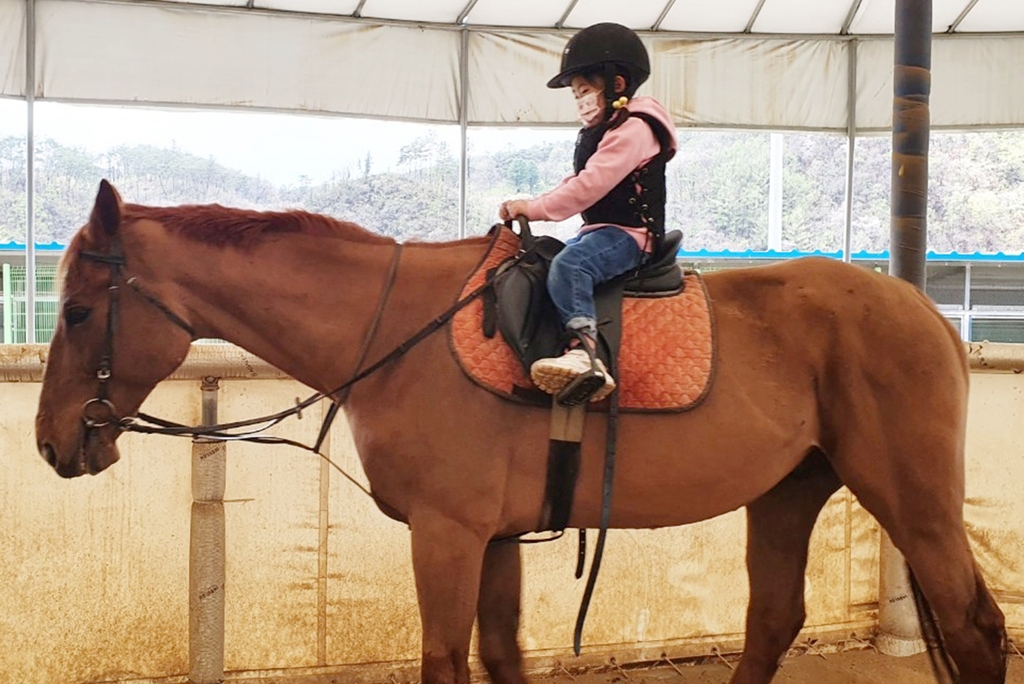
(609, 91)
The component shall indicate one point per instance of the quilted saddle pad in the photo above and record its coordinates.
(665, 360)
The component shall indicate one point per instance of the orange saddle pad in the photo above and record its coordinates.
(665, 359)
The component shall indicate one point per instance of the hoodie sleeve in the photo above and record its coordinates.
(620, 151)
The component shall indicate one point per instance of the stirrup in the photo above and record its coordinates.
(582, 388)
(585, 385)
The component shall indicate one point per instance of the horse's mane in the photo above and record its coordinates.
(215, 225)
(219, 226)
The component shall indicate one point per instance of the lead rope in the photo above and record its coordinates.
(216, 432)
(219, 432)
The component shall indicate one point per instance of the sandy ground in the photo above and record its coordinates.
(862, 666)
(851, 667)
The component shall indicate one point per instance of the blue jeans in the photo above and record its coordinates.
(586, 261)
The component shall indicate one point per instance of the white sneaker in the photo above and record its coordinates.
(553, 374)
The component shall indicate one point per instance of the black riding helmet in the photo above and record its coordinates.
(600, 47)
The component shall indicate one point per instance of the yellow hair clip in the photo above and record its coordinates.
(620, 103)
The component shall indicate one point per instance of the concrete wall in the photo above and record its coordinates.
(94, 571)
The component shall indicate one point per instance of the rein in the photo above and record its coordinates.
(100, 411)
(147, 424)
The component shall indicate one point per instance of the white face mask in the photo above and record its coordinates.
(588, 109)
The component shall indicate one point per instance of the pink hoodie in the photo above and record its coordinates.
(621, 151)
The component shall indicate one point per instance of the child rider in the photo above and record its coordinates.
(618, 186)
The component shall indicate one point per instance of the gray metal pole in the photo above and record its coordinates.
(30, 170)
(206, 552)
(463, 126)
(851, 147)
(910, 133)
(899, 628)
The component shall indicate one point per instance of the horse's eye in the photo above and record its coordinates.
(73, 315)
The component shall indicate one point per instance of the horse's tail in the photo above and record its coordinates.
(937, 654)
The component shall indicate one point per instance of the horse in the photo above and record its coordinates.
(826, 374)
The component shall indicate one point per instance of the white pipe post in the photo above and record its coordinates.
(30, 172)
(776, 150)
(899, 631)
(206, 551)
(323, 542)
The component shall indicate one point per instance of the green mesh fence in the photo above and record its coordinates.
(14, 304)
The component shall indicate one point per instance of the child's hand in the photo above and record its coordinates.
(512, 208)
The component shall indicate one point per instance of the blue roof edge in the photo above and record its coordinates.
(40, 246)
(862, 255)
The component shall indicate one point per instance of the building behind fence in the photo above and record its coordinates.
(981, 294)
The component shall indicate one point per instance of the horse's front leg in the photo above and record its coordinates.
(498, 613)
(447, 558)
(779, 525)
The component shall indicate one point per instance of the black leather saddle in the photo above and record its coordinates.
(660, 275)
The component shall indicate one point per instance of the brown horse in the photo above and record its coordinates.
(827, 374)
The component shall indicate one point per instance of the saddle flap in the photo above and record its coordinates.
(526, 316)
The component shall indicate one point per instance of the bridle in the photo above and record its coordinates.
(100, 410)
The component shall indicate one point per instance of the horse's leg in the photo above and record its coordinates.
(915, 491)
(498, 613)
(779, 526)
(447, 557)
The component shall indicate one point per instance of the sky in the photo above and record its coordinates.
(279, 147)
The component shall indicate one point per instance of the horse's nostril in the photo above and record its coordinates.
(50, 455)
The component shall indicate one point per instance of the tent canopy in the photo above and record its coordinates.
(785, 64)
(690, 16)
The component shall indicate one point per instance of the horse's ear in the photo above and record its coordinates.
(106, 212)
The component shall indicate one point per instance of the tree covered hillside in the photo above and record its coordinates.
(718, 189)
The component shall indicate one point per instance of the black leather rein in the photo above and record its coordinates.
(100, 411)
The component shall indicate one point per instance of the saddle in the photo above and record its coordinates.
(657, 317)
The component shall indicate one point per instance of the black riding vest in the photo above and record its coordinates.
(638, 201)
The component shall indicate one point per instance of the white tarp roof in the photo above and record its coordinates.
(728, 63)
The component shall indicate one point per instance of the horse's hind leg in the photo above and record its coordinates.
(498, 613)
(779, 526)
(447, 558)
(915, 490)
